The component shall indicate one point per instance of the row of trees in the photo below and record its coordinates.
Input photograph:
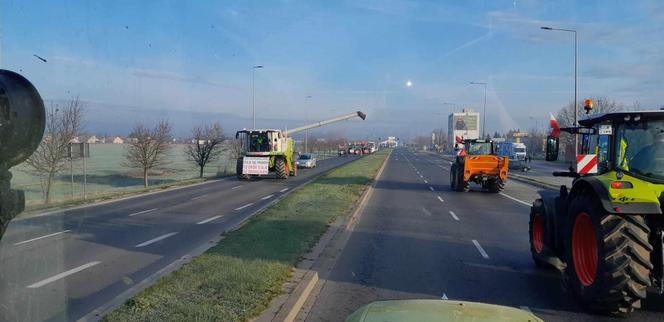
(147, 149)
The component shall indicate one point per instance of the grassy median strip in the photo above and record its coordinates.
(238, 278)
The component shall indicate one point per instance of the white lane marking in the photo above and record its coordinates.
(63, 275)
(480, 249)
(267, 197)
(426, 211)
(440, 198)
(42, 237)
(142, 212)
(283, 190)
(431, 188)
(425, 181)
(236, 187)
(525, 308)
(154, 240)
(450, 162)
(454, 215)
(444, 297)
(515, 199)
(199, 197)
(245, 206)
(209, 220)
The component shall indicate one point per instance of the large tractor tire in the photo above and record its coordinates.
(238, 170)
(608, 257)
(281, 168)
(453, 179)
(539, 240)
(461, 185)
(495, 185)
(293, 171)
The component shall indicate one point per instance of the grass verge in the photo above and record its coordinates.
(237, 279)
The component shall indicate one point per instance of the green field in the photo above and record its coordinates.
(106, 173)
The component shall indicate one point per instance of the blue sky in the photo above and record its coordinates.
(190, 61)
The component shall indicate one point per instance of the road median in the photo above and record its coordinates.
(237, 279)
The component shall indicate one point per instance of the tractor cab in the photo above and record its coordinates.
(478, 147)
(260, 141)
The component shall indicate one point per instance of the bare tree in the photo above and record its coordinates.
(147, 148)
(63, 124)
(205, 146)
(601, 104)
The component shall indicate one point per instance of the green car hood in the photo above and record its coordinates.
(438, 310)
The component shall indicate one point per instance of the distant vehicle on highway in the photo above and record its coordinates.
(515, 152)
(306, 160)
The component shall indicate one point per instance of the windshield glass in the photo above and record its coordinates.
(305, 157)
(520, 149)
(641, 149)
(479, 148)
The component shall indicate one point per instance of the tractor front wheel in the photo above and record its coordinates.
(539, 241)
(281, 168)
(608, 257)
(496, 185)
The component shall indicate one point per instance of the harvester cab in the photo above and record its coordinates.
(607, 231)
(266, 151)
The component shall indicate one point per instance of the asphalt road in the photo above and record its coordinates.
(418, 239)
(61, 266)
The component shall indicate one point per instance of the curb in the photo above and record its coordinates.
(99, 312)
(293, 305)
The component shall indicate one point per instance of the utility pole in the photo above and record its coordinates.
(253, 94)
(484, 112)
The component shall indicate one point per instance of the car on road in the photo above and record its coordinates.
(306, 160)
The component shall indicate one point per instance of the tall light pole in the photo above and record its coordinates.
(576, 42)
(253, 94)
(306, 132)
(484, 113)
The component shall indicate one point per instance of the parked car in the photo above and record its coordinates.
(306, 160)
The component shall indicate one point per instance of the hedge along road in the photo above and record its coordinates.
(238, 278)
(65, 265)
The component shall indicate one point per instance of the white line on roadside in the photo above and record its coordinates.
(283, 190)
(245, 206)
(480, 249)
(42, 237)
(154, 240)
(454, 215)
(236, 187)
(142, 212)
(63, 275)
(267, 197)
(432, 189)
(515, 199)
(209, 220)
(440, 198)
(199, 197)
(425, 181)
(444, 297)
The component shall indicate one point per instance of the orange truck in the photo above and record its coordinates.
(477, 162)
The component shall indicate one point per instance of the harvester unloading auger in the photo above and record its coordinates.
(267, 151)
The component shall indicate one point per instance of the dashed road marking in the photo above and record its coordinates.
(63, 275)
(236, 187)
(42, 237)
(440, 198)
(454, 215)
(245, 206)
(425, 181)
(283, 190)
(444, 297)
(480, 249)
(267, 197)
(154, 240)
(208, 220)
(142, 212)
(515, 199)
(431, 188)
(426, 211)
(199, 197)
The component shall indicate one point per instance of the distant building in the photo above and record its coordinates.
(117, 140)
(76, 139)
(92, 140)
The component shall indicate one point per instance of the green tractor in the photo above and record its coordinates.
(271, 151)
(606, 232)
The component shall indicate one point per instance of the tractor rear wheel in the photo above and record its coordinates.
(293, 172)
(453, 179)
(238, 170)
(281, 168)
(608, 257)
(495, 185)
(461, 185)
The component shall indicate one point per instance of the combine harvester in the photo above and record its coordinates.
(266, 151)
(606, 232)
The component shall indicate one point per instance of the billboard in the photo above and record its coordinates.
(465, 122)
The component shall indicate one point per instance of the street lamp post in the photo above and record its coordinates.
(306, 132)
(253, 94)
(484, 113)
(576, 42)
